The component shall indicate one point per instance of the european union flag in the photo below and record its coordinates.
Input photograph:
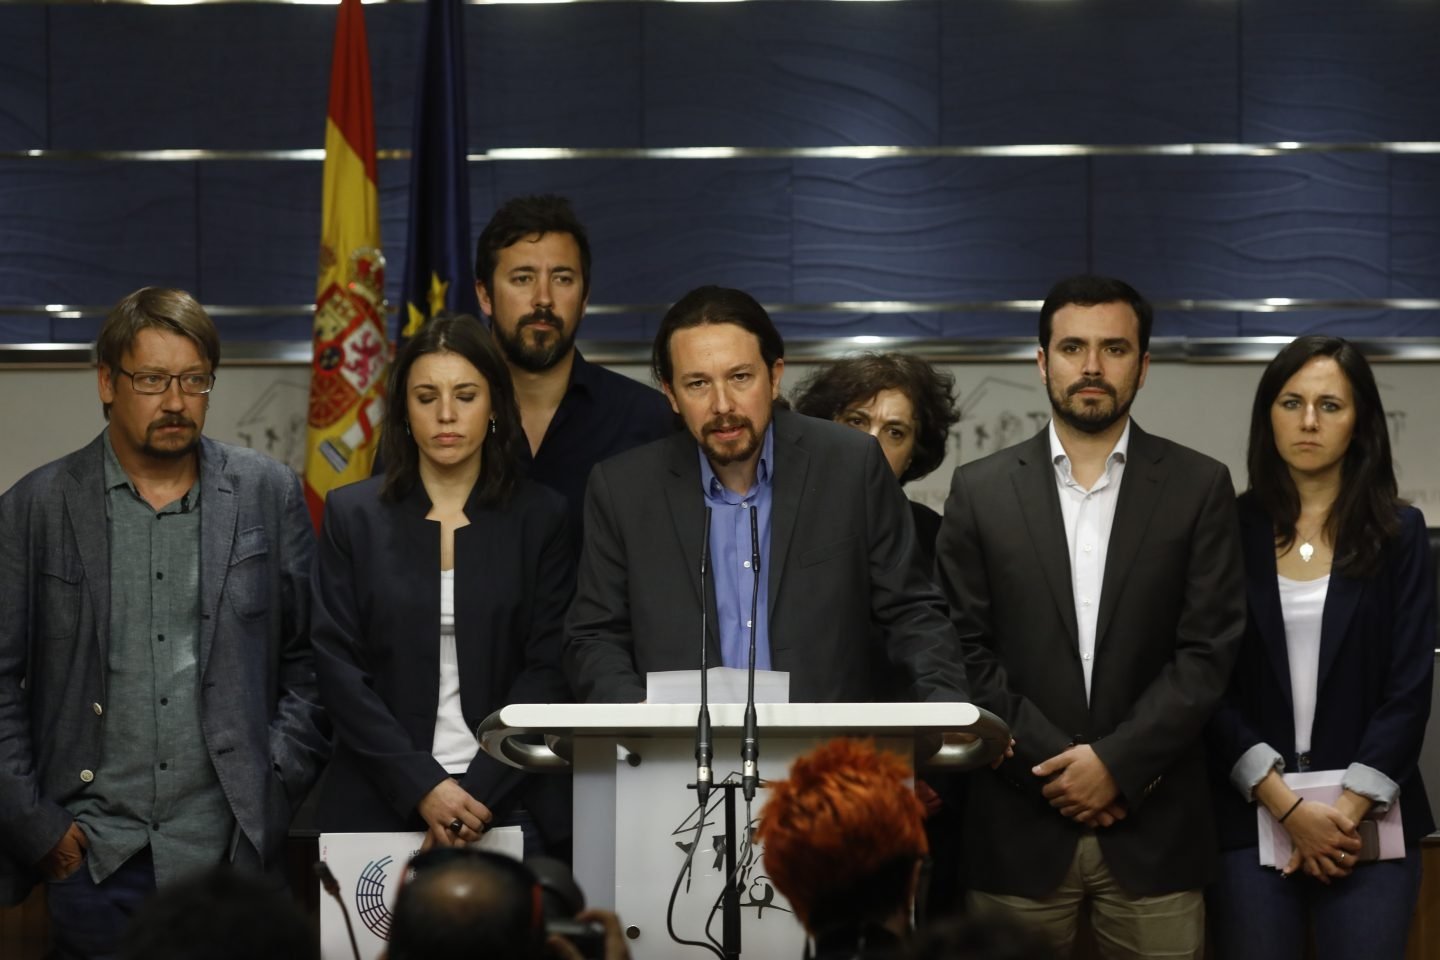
(438, 271)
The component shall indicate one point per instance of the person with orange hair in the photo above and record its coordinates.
(844, 841)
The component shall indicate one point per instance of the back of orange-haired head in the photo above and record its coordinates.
(845, 820)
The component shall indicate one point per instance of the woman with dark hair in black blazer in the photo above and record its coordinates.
(439, 593)
(1334, 673)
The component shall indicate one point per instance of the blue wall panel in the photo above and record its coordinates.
(777, 74)
(1415, 227)
(22, 77)
(260, 232)
(90, 233)
(566, 76)
(936, 229)
(228, 76)
(1117, 72)
(1208, 227)
(1337, 70)
(791, 74)
(664, 227)
(1346, 323)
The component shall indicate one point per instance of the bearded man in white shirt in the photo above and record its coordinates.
(1094, 577)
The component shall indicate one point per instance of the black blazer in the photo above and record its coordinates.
(1170, 618)
(1377, 642)
(842, 557)
(376, 633)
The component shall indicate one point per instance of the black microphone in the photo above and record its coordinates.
(704, 752)
(750, 744)
(332, 887)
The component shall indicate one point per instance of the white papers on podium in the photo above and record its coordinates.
(1322, 786)
(727, 685)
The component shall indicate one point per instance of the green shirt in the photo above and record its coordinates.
(155, 784)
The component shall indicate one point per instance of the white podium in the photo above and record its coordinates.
(635, 818)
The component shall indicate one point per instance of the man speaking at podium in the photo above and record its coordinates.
(843, 605)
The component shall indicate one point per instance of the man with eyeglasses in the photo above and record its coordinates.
(157, 696)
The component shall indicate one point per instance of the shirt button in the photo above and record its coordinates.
(160, 637)
(1088, 548)
(159, 575)
(747, 564)
(164, 765)
(97, 708)
(1085, 603)
(86, 776)
(164, 701)
(749, 623)
(155, 825)
(1089, 656)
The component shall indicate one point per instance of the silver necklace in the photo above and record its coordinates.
(1307, 549)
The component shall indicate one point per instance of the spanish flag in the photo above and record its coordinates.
(351, 349)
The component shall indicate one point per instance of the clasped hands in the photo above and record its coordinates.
(1080, 786)
(1326, 841)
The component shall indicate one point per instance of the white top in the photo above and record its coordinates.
(1302, 604)
(1089, 515)
(454, 745)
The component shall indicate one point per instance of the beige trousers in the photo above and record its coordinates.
(1126, 927)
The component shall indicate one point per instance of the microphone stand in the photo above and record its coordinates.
(704, 751)
(750, 744)
(704, 778)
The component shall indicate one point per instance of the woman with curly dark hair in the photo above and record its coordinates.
(1333, 674)
(904, 403)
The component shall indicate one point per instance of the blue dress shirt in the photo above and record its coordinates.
(730, 552)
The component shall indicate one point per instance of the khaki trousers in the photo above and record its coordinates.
(1126, 927)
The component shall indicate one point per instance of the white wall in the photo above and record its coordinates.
(47, 413)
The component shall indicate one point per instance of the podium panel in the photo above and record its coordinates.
(654, 824)
(636, 819)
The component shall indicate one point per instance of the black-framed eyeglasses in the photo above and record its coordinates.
(150, 382)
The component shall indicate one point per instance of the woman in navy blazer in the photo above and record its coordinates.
(1334, 673)
(404, 690)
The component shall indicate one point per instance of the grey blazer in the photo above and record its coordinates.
(260, 716)
(842, 558)
(1172, 610)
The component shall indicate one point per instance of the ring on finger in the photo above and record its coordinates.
(1341, 858)
(456, 825)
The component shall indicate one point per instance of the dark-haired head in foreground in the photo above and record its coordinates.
(844, 839)
(464, 904)
(900, 400)
(221, 914)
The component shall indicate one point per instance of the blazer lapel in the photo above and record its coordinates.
(85, 503)
(791, 466)
(1040, 506)
(218, 515)
(1341, 600)
(1143, 480)
(686, 502)
(1257, 540)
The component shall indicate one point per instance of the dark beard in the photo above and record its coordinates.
(740, 450)
(1086, 419)
(539, 356)
(170, 453)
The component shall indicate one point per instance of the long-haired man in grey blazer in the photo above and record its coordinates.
(157, 696)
